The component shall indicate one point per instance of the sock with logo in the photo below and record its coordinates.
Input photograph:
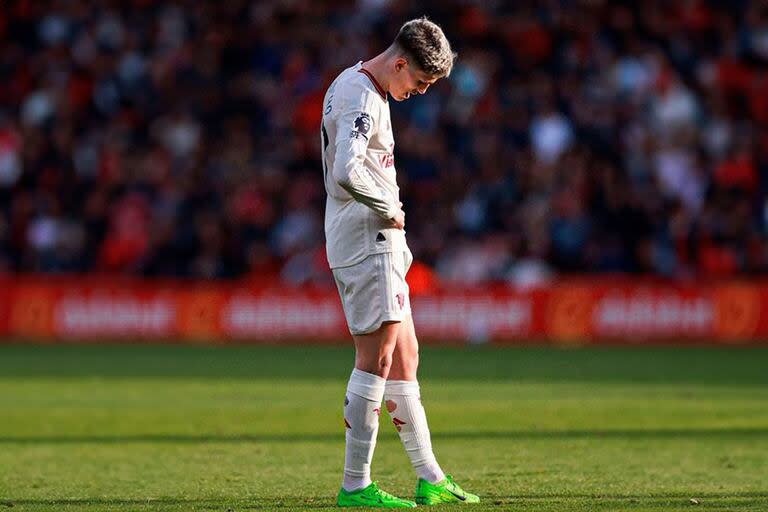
(403, 402)
(362, 406)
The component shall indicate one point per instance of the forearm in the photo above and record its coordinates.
(359, 183)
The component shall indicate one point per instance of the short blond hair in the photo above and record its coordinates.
(426, 45)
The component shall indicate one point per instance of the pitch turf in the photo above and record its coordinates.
(175, 428)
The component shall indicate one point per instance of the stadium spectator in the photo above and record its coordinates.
(180, 138)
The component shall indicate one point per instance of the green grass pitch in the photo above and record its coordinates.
(186, 428)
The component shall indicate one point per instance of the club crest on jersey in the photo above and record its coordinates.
(362, 126)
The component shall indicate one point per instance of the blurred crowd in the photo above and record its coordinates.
(180, 138)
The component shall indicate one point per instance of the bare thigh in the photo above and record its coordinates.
(405, 358)
(373, 351)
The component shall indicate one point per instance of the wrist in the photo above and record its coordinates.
(392, 212)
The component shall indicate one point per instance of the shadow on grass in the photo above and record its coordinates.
(721, 366)
(152, 504)
(649, 496)
(646, 500)
(690, 433)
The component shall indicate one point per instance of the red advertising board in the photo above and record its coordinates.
(567, 312)
(5, 304)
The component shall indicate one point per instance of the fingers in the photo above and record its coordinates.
(398, 221)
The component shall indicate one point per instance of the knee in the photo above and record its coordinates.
(406, 365)
(411, 351)
(379, 364)
(384, 363)
(410, 366)
(374, 354)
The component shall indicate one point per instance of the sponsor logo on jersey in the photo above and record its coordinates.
(387, 160)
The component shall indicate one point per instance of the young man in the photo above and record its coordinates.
(369, 257)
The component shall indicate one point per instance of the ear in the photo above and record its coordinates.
(400, 64)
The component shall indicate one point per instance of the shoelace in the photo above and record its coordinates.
(383, 493)
(451, 485)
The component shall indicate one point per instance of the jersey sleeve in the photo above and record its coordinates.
(354, 126)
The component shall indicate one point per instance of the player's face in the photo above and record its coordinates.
(409, 80)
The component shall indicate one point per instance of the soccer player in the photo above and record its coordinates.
(369, 257)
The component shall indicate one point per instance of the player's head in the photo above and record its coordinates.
(421, 56)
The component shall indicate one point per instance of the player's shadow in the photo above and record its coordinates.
(299, 437)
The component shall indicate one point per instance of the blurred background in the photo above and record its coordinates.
(179, 139)
(593, 172)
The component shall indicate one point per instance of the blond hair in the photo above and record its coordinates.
(426, 45)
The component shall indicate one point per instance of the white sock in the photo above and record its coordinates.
(404, 407)
(362, 407)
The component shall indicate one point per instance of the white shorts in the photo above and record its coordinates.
(374, 291)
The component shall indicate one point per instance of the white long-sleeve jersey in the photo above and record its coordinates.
(359, 170)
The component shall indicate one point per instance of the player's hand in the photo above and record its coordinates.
(398, 221)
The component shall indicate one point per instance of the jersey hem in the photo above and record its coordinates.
(372, 253)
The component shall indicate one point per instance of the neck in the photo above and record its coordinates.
(377, 67)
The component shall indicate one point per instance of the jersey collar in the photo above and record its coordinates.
(375, 82)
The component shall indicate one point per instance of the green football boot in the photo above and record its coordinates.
(445, 491)
(371, 496)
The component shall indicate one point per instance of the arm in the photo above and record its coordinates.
(354, 127)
